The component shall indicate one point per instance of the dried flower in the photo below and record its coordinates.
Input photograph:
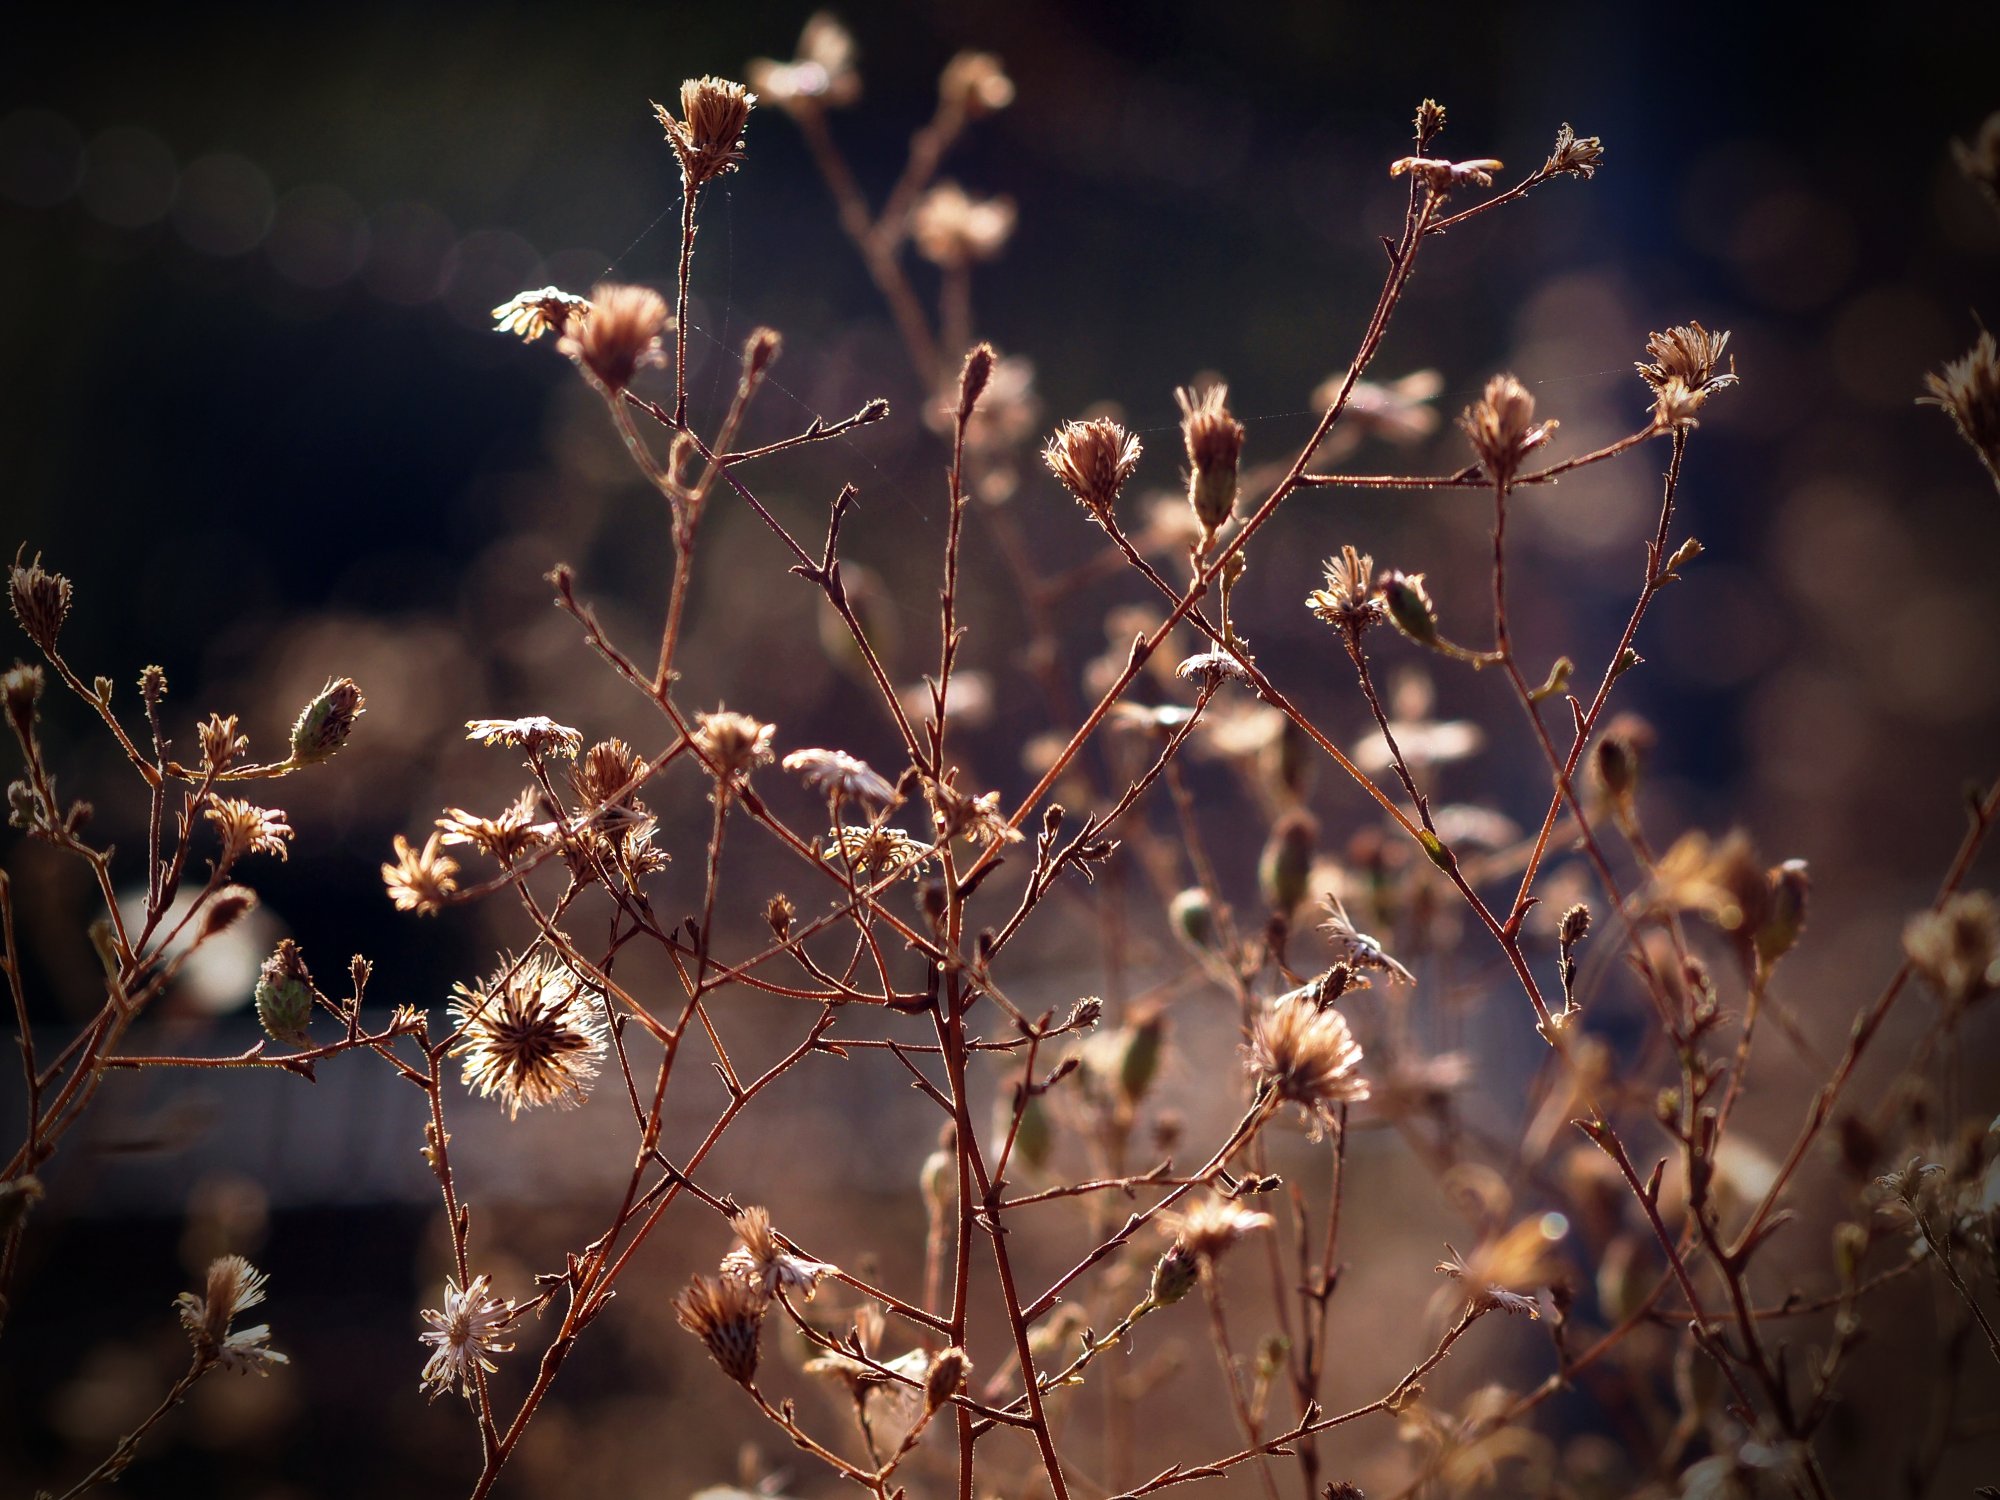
(464, 1333)
(1683, 371)
(1214, 1225)
(763, 1260)
(1441, 177)
(1503, 1268)
(221, 745)
(40, 600)
(533, 1035)
(248, 829)
(233, 1286)
(604, 771)
(952, 228)
(21, 690)
(727, 1315)
(1968, 391)
(977, 820)
(821, 73)
(946, 1377)
(1502, 428)
(1304, 1053)
(1357, 948)
(1577, 155)
(837, 773)
(620, 336)
(511, 833)
(975, 84)
(708, 136)
(1957, 947)
(1093, 459)
(1209, 670)
(284, 995)
(875, 850)
(547, 309)
(733, 744)
(1349, 601)
(535, 734)
(1429, 121)
(420, 880)
(324, 724)
(1214, 441)
(228, 906)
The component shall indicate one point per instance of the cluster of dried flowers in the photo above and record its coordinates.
(917, 886)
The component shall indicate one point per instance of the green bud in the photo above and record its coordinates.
(1286, 865)
(1174, 1276)
(1786, 917)
(1139, 1055)
(285, 995)
(1193, 918)
(1036, 1137)
(1850, 1244)
(1410, 606)
(325, 723)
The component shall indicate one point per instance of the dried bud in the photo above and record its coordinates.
(152, 684)
(1174, 1276)
(1093, 460)
(1214, 441)
(975, 84)
(1575, 925)
(1430, 121)
(285, 995)
(972, 379)
(1193, 918)
(1502, 429)
(946, 1377)
(226, 908)
(324, 724)
(1968, 391)
(221, 745)
(21, 687)
(531, 314)
(733, 744)
(727, 1315)
(1579, 156)
(708, 136)
(760, 352)
(40, 599)
(1410, 607)
(779, 914)
(1785, 915)
(620, 337)
(1285, 868)
(1619, 757)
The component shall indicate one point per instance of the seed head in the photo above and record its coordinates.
(233, 1286)
(1214, 441)
(973, 378)
(532, 1035)
(535, 734)
(835, 772)
(954, 229)
(1093, 459)
(545, 310)
(1957, 947)
(1683, 371)
(708, 135)
(1305, 1054)
(284, 995)
(1502, 428)
(946, 1377)
(1349, 602)
(324, 724)
(727, 1315)
(733, 744)
(221, 745)
(1429, 122)
(463, 1334)
(420, 880)
(1579, 156)
(763, 1259)
(226, 908)
(514, 831)
(620, 336)
(603, 771)
(1214, 1225)
(1441, 177)
(40, 600)
(248, 829)
(1968, 391)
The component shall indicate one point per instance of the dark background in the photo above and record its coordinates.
(252, 407)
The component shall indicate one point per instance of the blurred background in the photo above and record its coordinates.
(255, 409)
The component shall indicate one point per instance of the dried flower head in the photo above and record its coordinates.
(221, 745)
(821, 73)
(604, 771)
(546, 309)
(1442, 177)
(420, 880)
(727, 1315)
(1502, 1269)
(975, 84)
(1502, 428)
(977, 820)
(1350, 601)
(1429, 121)
(1209, 670)
(620, 336)
(1957, 947)
(1214, 442)
(1968, 391)
(839, 774)
(1214, 1225)
(20, 690)
(1579, 156)
(233, 1286)
(463, 1335)
(40, 600)
(951, 228)
(247, 829)
(708, 135)
(875, 850)
(1304, 1053)
(762, 1258)
(325, 724)
(1684, 371)
(1357, 948)
(733, 744)
(1093, 459)
(535, 734)
(532, 1035)
(514, 831)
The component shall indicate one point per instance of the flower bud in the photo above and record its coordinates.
(1174, 1276)
(1785, 915)
(1285, 868)
(1139, 1054)
(1410, 607)
(1193, 918)
(325, 723)
(40, 600)
(21, 687)
(1214, 441)
(285, 995)
(1036, 1137)
(946, 1377)
(231, 905)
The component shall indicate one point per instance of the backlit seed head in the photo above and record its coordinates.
(1968, 391)
(284, 995)
(952, 228)
(40, 600)
(708, 135)
(1579, 156)
(20, 690)
(324, 724)
(1684, 371)
(1304, 1054)
(946, 1377)
(1350, 600)
(533, 1034)
(1409, 605)
(1093, 459)
(1502, 429)
(733, 744)
(727, 1314)
(1214, 442)
(621, 335)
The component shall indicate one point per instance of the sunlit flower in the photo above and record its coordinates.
(533, 1035)
(875, 850)
(1304, 1053)
(1441, 177)
(233, 1286)
(1968, 391)
(1579, 156)
(1093, 460)
(420, 880)
(1350, 601)
(1502, 429)
(620, 336)
(1214, 1224)
(248, 829)
(707, 136)
(535, 734)
(545, 310)
(732, 743)
(763, 1260)
(463, 1334)
(506, 836)
(835, 772)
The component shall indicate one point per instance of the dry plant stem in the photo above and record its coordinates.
(1941, 1253)
(121, 1456)
(689, 192)
(1225, 1354)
